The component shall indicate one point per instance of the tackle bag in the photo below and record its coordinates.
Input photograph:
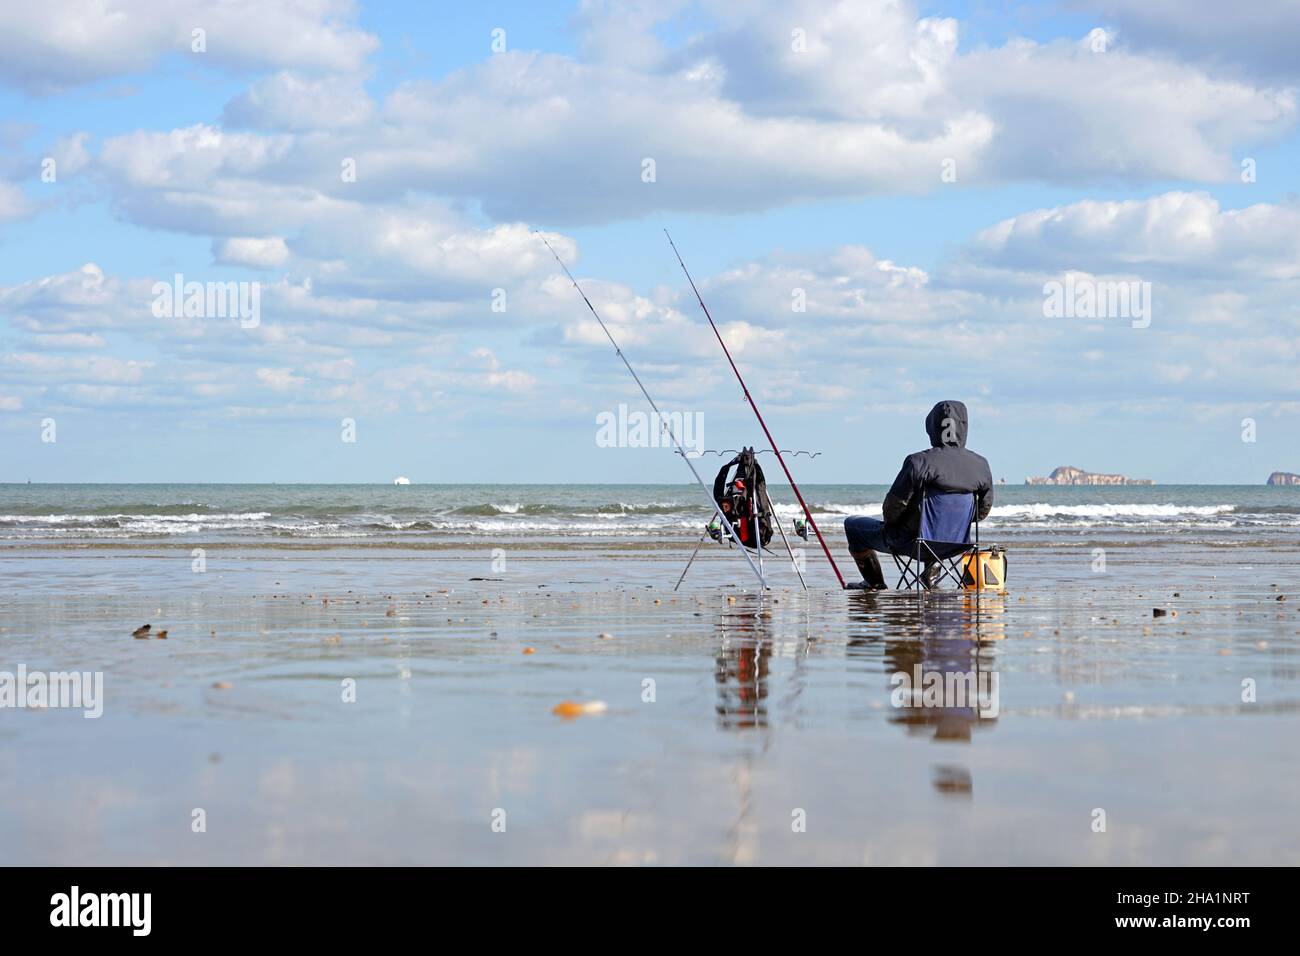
(743, 499)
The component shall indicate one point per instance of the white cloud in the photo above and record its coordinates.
(736, 120)
(207, 181)
(69, 340)
(289, 101)
(323, 355)
(568, 140)
(1066, 114)
(256, 253)
(81, 290)
(279, 379)
(865, 61)
(339, 369)
(99, 369)
(1187, 234)
(191, 157)
(874, 331)
(58, 44)
(382, 278)
(70, 155)
(496, 377)
(1252, 39)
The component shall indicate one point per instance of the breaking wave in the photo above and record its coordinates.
(241, 512)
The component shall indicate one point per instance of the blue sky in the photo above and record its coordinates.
(797, 146)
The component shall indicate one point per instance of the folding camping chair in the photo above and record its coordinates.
(946, 519)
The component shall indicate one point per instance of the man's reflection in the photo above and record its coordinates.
(936, 651)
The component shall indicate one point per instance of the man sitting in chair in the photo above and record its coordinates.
(947, 466)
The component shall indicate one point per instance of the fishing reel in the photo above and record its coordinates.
(801, 527)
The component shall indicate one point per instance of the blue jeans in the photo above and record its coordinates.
(870, 534)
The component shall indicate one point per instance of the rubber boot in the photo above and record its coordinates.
(873, 579)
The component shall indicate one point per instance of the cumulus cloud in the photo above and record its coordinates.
(565, 141)
(1067, 114)
(255, 253)
(59, 341)
(76, 296)
(235, 185)
(819, 329)
(290, 101)
(790, 102)
(1176, 234)
(1223, 328)
(310, 355)
(279, 379)
(96, 369)
(70, 155)
(59, 44)
(496, 377)
(778, 104)
(1256, 40)
(189, 158)
(377, 281)
(875, 61)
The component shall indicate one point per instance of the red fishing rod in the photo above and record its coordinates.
(749, 398)
(668, 429)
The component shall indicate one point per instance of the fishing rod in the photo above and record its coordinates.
(663, 422)
(771, 441)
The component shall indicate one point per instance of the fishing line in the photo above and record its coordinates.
(663, 422)
(771, 441)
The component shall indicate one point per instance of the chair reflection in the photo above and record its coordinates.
(937, 653)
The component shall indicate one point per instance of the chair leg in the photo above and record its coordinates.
(949, 570)
(906, 572)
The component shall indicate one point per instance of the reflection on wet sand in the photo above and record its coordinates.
(937, 651)
(741, 665)
(772, 714)
(741, 671)
(947, 636)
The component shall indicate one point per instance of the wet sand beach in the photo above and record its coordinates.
(737, 727)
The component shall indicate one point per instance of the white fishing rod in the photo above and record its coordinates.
(663, 422)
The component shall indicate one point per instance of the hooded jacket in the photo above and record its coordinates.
(947, 465)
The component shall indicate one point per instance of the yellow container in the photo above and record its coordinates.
(984, 570)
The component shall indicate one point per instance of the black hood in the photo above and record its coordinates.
(940, 415)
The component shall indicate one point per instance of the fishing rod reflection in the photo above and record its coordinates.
(741, 672)
(743, 661)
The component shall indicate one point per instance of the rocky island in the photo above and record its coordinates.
(1066, 475)
(1283, 478)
